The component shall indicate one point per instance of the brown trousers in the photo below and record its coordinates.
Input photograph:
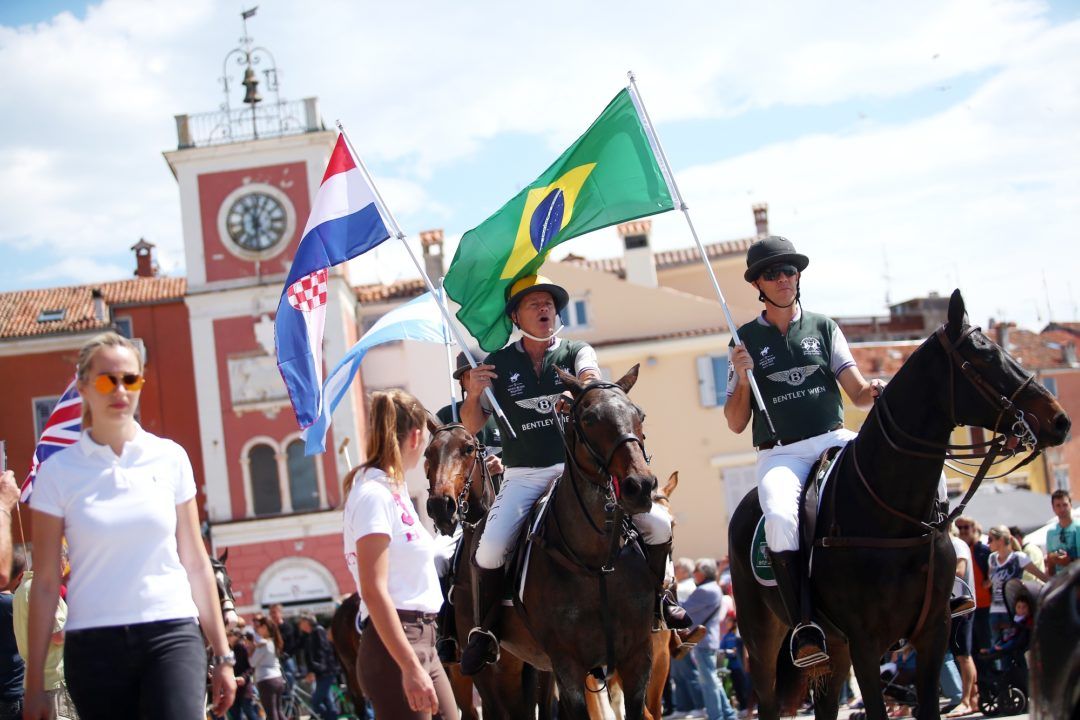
(380, 677)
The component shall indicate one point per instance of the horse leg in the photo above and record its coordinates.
(571, 679)
(929, 657)
(865, 658)
(593, 700)
(463, 691)
(764, 636)
(827, 691)
(635, 669)
(661, 666)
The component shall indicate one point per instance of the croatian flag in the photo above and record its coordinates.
(61, 430)
(344, 222)
(418, 319)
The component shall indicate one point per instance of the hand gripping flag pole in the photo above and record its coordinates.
(669, 176)
(449, 342)
(423, 273)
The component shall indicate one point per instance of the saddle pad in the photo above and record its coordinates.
(759, 557)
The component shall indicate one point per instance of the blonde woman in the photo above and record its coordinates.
(1007, 561)
(141, 584)
(392, 558)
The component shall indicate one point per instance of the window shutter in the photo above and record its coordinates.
(706, 381)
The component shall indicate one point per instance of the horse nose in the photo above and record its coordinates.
(441, 508)
(637, 490)
(1062, 424)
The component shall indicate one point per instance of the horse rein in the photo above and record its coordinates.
(479, 455)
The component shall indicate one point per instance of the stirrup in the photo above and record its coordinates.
(961, 606)
(494, 641)
(813, 658)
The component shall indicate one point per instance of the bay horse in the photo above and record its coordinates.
(882, 563)
(460, 491)
(226, 599)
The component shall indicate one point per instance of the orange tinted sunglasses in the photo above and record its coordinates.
(107, 384)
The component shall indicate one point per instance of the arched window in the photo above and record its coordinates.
(265, 483)
(303, 484)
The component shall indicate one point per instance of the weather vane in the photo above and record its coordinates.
(249, 56)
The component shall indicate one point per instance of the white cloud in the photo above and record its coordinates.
(80, 271)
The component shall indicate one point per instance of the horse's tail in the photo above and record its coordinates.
(792, 683)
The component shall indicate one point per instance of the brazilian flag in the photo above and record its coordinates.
(610, 175)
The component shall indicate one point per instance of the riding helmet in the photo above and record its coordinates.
(535, 283)
(771, 250)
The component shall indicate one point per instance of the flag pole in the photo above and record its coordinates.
(669, 176)
(450, 365)
(385, 212)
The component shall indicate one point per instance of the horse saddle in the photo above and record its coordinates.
(812, 492)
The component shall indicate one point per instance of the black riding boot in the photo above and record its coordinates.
(667, 605)
(807, 638)
(483, 646)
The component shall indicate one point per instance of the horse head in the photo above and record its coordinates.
(224, 589)
(455, 475)
(988, 387)
(609, 441)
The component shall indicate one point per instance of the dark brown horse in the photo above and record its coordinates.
(882, 567)
(460, 492)
(224, 589)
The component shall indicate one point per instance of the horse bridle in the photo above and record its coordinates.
(225, 598)
(479, 455)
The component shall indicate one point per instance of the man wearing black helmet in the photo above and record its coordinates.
(800, 361)
(522, 376)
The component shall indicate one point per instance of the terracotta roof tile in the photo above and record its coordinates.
(431, 237)
(20, 309)
(402, 289)
(635, 227)
(667, 259)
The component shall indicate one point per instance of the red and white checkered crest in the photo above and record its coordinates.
(309, 292)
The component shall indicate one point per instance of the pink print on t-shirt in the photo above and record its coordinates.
(406, 517)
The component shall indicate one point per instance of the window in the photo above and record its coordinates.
(575, 314)
(123, 327)
(712, 379)
(51, 315)
(43, 407)
(1050, 383)
(303, 486)
(1061, 477)
(265, 485)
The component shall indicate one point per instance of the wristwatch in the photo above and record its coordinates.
(228, 658)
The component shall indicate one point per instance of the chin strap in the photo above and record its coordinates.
(762, 297)
(554, 332)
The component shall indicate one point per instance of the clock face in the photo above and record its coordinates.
(256, 221)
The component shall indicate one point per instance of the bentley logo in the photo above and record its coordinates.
(542, 404)
(794, 376)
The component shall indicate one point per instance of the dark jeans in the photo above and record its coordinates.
(321, 698)
(11, 709)
(270, 692)
(154, 670)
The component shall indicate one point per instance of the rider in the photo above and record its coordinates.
(800, 361)
(522, 376)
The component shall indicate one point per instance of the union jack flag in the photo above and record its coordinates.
(61, 429)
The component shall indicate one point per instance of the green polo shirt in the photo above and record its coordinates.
(796, 373)
(528, 399)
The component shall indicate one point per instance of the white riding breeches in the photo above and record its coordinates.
(781, 474)
(521, 487)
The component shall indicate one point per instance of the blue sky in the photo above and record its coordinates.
(940, 135)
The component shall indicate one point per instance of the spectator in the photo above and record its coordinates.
(1006, 562)
(683, 672)
(732, 646)
(392, 560)
(704, 606)
(141, 583)
(321, 666)
(1030, 549)
(290, 644)
(969, 531)
(960, 637)
(266, 646)
(1017, 635)
(243, 707)
(1063, 540)
(55, 688)
(11, 665)
(9, 498)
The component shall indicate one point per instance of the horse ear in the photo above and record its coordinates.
(672, 483)
(224, 556)
(432, 426)
(957, 314)
(627, 381)
(572, 383)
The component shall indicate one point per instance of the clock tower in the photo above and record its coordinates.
(247, 177)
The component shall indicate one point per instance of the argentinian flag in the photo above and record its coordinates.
(419, 319)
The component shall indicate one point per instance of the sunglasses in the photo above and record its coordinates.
(107, 384)
(775, 271)
(963, 527)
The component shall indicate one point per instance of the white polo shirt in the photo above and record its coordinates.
(119, 517)
(374, 506)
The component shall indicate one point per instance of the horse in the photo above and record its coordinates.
(666, 646)
(224, 590)
(882, 563)
(460, 492)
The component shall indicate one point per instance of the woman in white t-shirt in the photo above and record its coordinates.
(392, 559)
(141, 584)
(1007, 561)
(266, 646)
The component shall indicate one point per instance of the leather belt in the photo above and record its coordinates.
(415, 616)
(770, 444)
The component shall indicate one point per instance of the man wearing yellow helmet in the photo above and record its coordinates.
(523, 379)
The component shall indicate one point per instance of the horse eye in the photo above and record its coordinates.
(468, 449)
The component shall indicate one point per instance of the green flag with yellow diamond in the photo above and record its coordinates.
(610, 175)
